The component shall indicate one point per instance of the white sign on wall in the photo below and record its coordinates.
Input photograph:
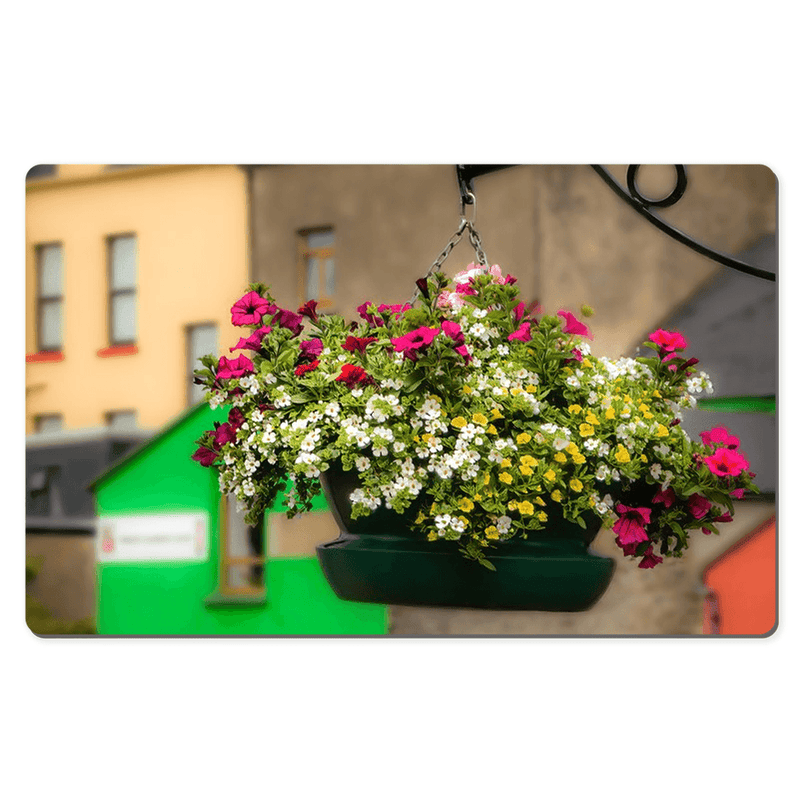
(153, 537)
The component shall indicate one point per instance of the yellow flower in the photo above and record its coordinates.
(525, 507)
(420, 518)
(479, 419)
(627, 398)
(530, 389)
(561, 458)
(515, 390)
(417, 439)
(647, 415)
(528, 461)
(502, 390)
(579, 458)
(505, 463)
(572, 448)
(625, 410)
(464, 520)
(512, 505)
(574, 409)
(432, 536)
(549, 476)
(542, 516)
(586, 429)
(643, 458)
(656, 393)
(592, 419)
(495, 412)
(505, 477)
(540, 501)
(465, 504)
(643, 407)
(426, 437)
(467, 390)
(491, 429)
(525, 470)
(557, 496)
(458, 422)
(492, 532)
(622, 455)
(477, 496)
(610, 413)
(486, 480)
(523, 438)
(575, 485)
(662, 431)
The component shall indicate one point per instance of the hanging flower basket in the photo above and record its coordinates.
(470, 446)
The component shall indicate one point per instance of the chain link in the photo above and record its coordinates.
(475, 241)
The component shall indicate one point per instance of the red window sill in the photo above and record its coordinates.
(44, 356)
(120, 350)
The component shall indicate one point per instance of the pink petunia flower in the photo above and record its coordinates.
(415, 341)
(725, 462)
(253, 341)
(205, 456)
(573, 325)
(650, 559)
(519, 311)
(311, 348)
(235, 418)
(289, 320)
(630, 525)
(374, 320)
(737, 494)
(235, 368)
(309, 309)
(721, 436)
(453, 331)
(224, 434)
(522, 334)
(666, 496)
(249, 310)
(668, 340)
(698, 506)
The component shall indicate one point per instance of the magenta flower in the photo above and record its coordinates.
(374, 320)
(415, 341)
(572, 325)
(668, 340)
(453, 331)
(357, 344)
(719, 436)
(522, 334)
(310, 348)
(726, 517)
(462, 351)
(666, 496)
(304, 368)
(650, 559)
(235, 368)
(398, 310)
(519, 311)
(466, 288)
(309, 310)
(698, 506)
(224, 434)
(630, 525)
(724, 462)
(249, 309)
(422, 285)
(353, 375)
(737, 494)
(253, 341)
(205, 456)
(289, 320)
(235, 418)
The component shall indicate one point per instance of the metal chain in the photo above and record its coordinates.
(475, 241)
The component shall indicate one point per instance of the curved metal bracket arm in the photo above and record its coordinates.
(466, 173)
(642, 205)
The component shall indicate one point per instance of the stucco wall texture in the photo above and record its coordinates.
(570, 241)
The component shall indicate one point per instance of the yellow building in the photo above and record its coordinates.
(130, 275)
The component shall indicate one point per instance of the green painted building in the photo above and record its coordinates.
(175, 558)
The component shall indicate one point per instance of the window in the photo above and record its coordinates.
(241, 553)
(43, 493)
(316, 267)
(121, 420)
(201, 340)
(50, 299)
(122, 272)
(40, 171)
(47, 423)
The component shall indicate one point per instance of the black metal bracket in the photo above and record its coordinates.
(466, 173)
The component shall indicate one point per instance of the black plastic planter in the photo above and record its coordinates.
(378, 559)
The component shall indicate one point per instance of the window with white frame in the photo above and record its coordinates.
(122, 276)
(50, 297)
(317, 268)
(201, 340)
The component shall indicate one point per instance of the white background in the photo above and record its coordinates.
(416, 82)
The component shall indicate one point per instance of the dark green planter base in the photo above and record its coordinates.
(554, 575)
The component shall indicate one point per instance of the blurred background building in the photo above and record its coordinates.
(132, 271)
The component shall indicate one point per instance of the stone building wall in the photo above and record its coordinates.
(570, 241)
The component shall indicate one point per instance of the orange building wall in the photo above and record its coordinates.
(743, 582)
(191, 224)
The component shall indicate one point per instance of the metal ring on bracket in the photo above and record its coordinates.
(681, 182)
(469, 198)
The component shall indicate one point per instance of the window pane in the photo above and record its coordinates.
(312, 278)
(123, 318)
(329, 281)
(50, 269)
(122, 420)
(203, 340)
(49, 422)
(320, 239)
(50, 325)
(123, 262)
